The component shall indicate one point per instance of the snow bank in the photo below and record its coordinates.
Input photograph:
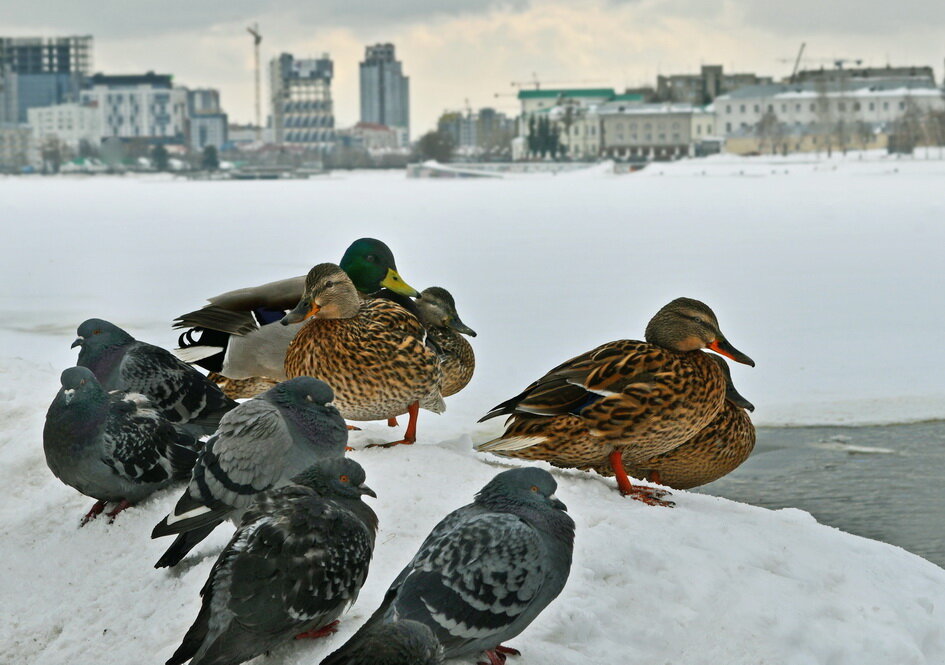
(710, 581)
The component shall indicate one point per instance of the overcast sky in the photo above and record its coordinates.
(454, 50)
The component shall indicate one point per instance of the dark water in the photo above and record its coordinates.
(885, 483)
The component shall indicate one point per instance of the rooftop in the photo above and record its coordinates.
(552, 93)
(916, 85)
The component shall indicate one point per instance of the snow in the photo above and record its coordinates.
(827, 273)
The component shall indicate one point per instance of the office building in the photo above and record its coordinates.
(302, 110)
(41, 71)
(385, 91)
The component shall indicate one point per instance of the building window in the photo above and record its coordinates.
(856, 106)
(757, 108)
(841, 106)
(885, 106)
(797, 107)
(812, 108)
(742, 108)
(675, 125)
(728, 127)
(902, 106)
(728, 108)
(872, 106)
(783, 108)
(771, 108)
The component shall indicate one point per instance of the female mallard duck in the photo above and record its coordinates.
(371, 352)
(715, 451)
(437, 311)
(235, 339)
(625, 401)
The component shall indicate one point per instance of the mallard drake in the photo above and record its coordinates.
(371, 352)
(437, 311)
(715, 451)
(232, 335)
(625, 401)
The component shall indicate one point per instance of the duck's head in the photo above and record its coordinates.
(438, 310)
(329, 294)
(371, 267)
(686, 324)
(731, 394)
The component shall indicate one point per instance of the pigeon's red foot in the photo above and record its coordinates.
(348, 449)
(392, 422)
(324, 631)
(498, 655)
(352, 428)
(122, 505)
(94, 512)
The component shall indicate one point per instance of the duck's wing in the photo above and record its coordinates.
(610, 369)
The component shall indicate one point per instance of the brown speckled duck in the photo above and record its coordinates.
(624, 402)
(371, 352)
(438, 314)
(715, 451)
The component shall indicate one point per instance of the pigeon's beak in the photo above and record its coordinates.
(364, 489)
(557, 503)
(78, 342)
(68, 394)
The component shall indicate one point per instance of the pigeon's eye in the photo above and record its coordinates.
(343, 478)
(534, 488)
(308, 398)
(96, 332)
(82, 382)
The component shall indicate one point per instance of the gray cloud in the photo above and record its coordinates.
(844, 17)
(116, 19)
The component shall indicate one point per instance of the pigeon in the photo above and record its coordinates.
(120, 362)
(397, 643)
(113, 447)
(261, 444)
(296, 562)
(486, 571)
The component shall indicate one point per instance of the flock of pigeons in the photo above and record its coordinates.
(131, 418)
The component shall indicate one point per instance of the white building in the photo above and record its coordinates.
(809, 105)
(302, 110)
(17, 147)
(70, 123)
(144, 106)
(640, 132)
(578, 130)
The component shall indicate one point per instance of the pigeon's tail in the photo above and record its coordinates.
(194, 637)
(182, 545)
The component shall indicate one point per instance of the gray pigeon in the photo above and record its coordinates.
(113, 447)
(486, 571)
(120, 362)
(261, 444)
(397, 643)
(297, 561)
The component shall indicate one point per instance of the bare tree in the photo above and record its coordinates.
(769, 131)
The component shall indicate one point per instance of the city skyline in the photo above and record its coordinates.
(472, 50)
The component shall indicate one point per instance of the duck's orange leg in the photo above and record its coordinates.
(647, 495)
(410, 435)
(392, 422)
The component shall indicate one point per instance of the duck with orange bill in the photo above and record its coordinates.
(623, 402)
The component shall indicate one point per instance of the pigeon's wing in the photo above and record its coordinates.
(245, 457)
(139, 444)
(180, 392)
(472, 580)
(299, 567)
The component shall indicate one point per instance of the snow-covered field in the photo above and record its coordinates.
(828, 274)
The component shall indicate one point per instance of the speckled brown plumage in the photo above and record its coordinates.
(375, 361)
(715, 451)
(242, 388)
(456, 359)
(627, 395)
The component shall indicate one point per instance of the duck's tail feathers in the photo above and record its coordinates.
(510, 444)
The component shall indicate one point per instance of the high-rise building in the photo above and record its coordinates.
(41, 71)
(385, 91)
(302, 110)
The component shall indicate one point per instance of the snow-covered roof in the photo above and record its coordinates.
(859, 87)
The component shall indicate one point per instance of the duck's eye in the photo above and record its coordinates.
(328, 285)
(697, 319)
(534, 488)
(343, 478)
(371, 258)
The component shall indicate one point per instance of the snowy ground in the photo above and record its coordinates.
(827, 273)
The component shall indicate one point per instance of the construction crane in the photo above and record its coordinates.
(257, 38)
(797, 62)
